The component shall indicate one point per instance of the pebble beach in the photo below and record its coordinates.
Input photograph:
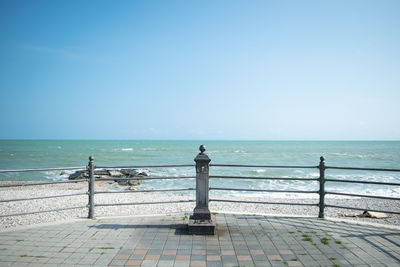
(14, 222)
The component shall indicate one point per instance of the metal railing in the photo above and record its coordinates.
(92, 192)
(90, 168)
(321, 180)
(360, 182)
(42, 197)
(264, 178)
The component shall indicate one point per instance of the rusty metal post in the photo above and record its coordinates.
(90, 169)
(321, 187)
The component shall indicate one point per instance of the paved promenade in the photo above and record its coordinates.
(241, 240)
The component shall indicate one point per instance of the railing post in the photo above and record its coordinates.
(91, 188)
(201, 222)
(321, 187)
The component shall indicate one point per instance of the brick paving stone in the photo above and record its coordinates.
(133, 263)
(155, 251)
(228, 252)
(165, 263)
(214, 264)
(126, 251)
(182, 257)
(198, 264)
(285, 252)
(169, 252)
(274, 257)
(198, 252)
(213, 252)
(262, 264)
(167, 257)
(140, 251)
(118, 262)
(181, 263)
(121, 256)
(52, 261)
(137, 257)
(149, 263)
(256, 252)
(242, 252)
(259, 257)
(213, 258)
(89, 261)
(244, 258)
(296, 264)
(246, 263)
(229, 259)
(152, 257)
(183, 251)
(198, 257)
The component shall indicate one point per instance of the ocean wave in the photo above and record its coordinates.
(387, 178)
(127, 149)
(283, 185)
(58, 175)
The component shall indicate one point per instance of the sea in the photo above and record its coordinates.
(32, 154)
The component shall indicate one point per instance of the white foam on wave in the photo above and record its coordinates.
(127, 149)
(382, 177)
(58, 175)
(149, 149)
(353, 188)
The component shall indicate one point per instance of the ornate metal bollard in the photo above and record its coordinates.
(202, 222)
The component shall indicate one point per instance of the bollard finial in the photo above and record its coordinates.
(202, 148)
(322, 159)
(90, 158)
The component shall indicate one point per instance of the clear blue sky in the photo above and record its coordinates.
(274, 70)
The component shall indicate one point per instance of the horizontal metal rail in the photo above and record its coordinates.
(263, 166)
(143, 203)
(145, 166)
(362, 169)
(144, 191)
(144, 178)
(263, 178)
(262, 190)
(44, 197)
(262, 202)
(44, 183)
(360, 182)
(46, 169)
(357, 195)
(41, 211)
(353, 208)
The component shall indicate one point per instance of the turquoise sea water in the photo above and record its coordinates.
(22, 154)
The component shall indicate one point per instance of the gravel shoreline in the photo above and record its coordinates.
(13, 222)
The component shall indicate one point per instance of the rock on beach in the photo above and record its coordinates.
(107, 174)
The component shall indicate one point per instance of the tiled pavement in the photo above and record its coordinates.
(241, 240)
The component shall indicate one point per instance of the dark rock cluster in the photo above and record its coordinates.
(113, 173)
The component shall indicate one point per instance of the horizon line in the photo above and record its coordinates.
(212, 140)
